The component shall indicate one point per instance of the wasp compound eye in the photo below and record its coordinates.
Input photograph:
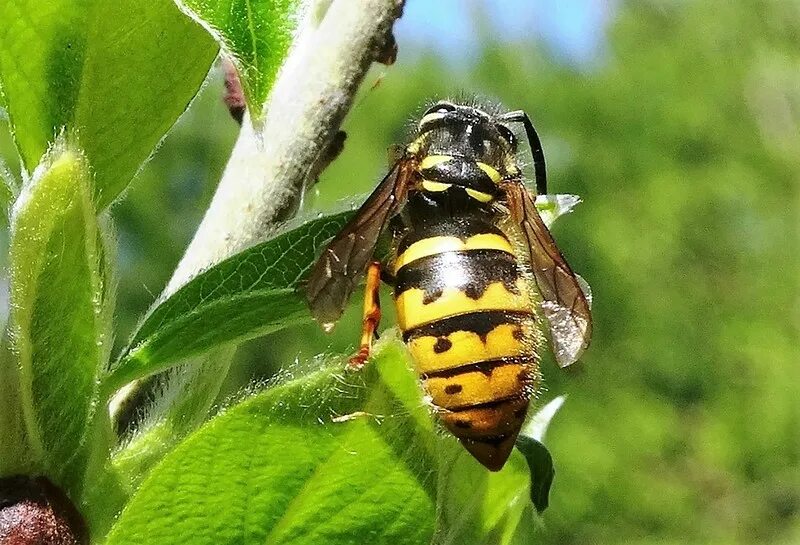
(441, 107)
(435, 113)
(508, 136)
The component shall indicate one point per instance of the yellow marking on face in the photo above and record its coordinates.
(428, 185)
(490, 171)
(433, 160)
(476, 387)
(438, 245)
(411, 311)
(467, 347)
(479, 195)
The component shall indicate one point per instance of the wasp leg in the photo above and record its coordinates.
(372, 315)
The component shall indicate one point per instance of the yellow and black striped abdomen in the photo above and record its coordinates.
(466, 314)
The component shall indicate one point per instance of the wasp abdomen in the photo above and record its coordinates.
(467, 317)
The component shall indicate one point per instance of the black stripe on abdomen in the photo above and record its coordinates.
(460, 227)
(470, 271)
(480, 323)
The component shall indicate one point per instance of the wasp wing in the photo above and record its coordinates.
(564, 304)
(344, 260)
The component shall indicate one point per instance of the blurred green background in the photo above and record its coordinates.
(679, 125)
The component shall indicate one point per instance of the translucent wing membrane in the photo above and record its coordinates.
(341, 265)
(565, 304)
(551, 207)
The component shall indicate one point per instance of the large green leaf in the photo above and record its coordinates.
(60, 313)
(255, 33)
(117, 73)
(331, 457)
(251, 293)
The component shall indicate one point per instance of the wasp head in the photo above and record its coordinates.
(453, 129)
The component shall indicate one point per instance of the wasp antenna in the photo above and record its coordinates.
(519, 116)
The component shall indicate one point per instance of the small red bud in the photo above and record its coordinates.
(33, 511)
(234, 94)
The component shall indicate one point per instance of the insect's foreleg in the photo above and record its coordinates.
(372, 315)
(387, 278)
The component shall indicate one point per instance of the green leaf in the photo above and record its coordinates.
(116, 73)
(477, 506)
(175, 413)
(554, 205)
(255, 33)
(60, 313)
(14, 446)
(8, 189)
(252, 293)
(540, 462)
(330, 457)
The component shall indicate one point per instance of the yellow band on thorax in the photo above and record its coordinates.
(433, 160)
(436, 187)
(490, 171)
(479, 195)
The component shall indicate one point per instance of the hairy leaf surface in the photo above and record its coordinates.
(60, 313)
(330, 457)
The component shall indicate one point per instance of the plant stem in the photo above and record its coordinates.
(274, 160)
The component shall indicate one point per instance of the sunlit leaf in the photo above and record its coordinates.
(8, 190)
(60, 312)
(536, 426)
(179, 409)
(552, 206)
(255, 33)
(329, 457)
(117, 74)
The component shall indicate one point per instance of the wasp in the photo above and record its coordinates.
(473, 269)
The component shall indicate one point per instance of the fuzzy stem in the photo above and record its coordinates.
(273, 161)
